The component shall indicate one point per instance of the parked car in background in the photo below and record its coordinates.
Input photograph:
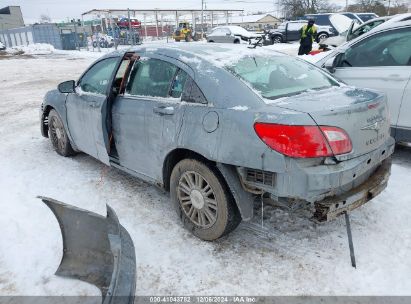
(102, 40)
(380, 59)
(219, 126)
(354, 32)
(230, 34)
(367, 16)
(2, 46)
(125, 23)
(290, 31)
(325, 19)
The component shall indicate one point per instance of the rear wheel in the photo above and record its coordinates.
(58, 136)
(236, 41)
(202, 200)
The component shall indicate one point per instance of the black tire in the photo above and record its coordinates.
(236, 41)
(211, 41)
(321, 36)
(219, 203)
(95, 44)
(58, 135)
(276, 39)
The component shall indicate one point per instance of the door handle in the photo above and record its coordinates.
(164, 110)
(93, 104)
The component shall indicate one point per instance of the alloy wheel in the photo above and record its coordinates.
(57, 134)
(197, 199)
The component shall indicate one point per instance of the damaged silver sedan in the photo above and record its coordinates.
(219, 126)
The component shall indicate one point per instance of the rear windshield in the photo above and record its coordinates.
(280, 76)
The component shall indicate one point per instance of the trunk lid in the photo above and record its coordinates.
(340, 22)
(363, 114)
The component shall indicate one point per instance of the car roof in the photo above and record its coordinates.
(392, 23)
(377, 19)
(218, 54)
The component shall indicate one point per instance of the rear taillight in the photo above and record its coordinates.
(304, 141)
(338, 139)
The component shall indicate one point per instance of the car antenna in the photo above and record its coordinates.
(350, 242)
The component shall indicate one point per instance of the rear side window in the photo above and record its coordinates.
(178, 84)
(151, 77)
(192, 93)
(390, 48)
(320, 19)
(97, 78)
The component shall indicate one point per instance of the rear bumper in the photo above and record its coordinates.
(329, 208)
(311, 181)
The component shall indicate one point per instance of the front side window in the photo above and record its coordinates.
(385, 49)
(295, 26)
(97, 78)
(365, 28)
(151, 77)
(278, 76)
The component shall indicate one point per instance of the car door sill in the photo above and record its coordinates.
(115, 163)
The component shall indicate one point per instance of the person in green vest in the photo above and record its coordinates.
(307, 33)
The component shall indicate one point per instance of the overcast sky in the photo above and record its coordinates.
(61, 9)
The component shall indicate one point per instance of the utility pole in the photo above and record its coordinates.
(389, 5)
(202, 19)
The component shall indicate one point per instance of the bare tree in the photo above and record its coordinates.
(297, 8)
(380, 7)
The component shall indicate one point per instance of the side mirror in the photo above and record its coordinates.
(331, 64)
(66, 87)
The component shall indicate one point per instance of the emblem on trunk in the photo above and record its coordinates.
(376, 126)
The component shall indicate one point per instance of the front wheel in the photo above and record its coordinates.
(58, 135)
(276, 39)
(202, 200)
(321, 37)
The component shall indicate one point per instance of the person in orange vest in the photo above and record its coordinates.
(307, 33)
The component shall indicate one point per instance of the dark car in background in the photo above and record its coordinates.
(326, 20)
(290, 31)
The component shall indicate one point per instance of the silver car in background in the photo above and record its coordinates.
(230, 34)
(220, 126)
(356, 31)
(381, 60)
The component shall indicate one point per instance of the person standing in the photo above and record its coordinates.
(307, 33)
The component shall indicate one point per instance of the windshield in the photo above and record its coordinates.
(366, 17)
(275, 77)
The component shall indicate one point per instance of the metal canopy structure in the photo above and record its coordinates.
(176, 13)
(158, 11)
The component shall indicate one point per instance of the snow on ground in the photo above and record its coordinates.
(289, 256)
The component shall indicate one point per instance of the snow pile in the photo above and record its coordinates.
(33, 49)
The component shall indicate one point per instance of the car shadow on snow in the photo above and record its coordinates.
(402, 155)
